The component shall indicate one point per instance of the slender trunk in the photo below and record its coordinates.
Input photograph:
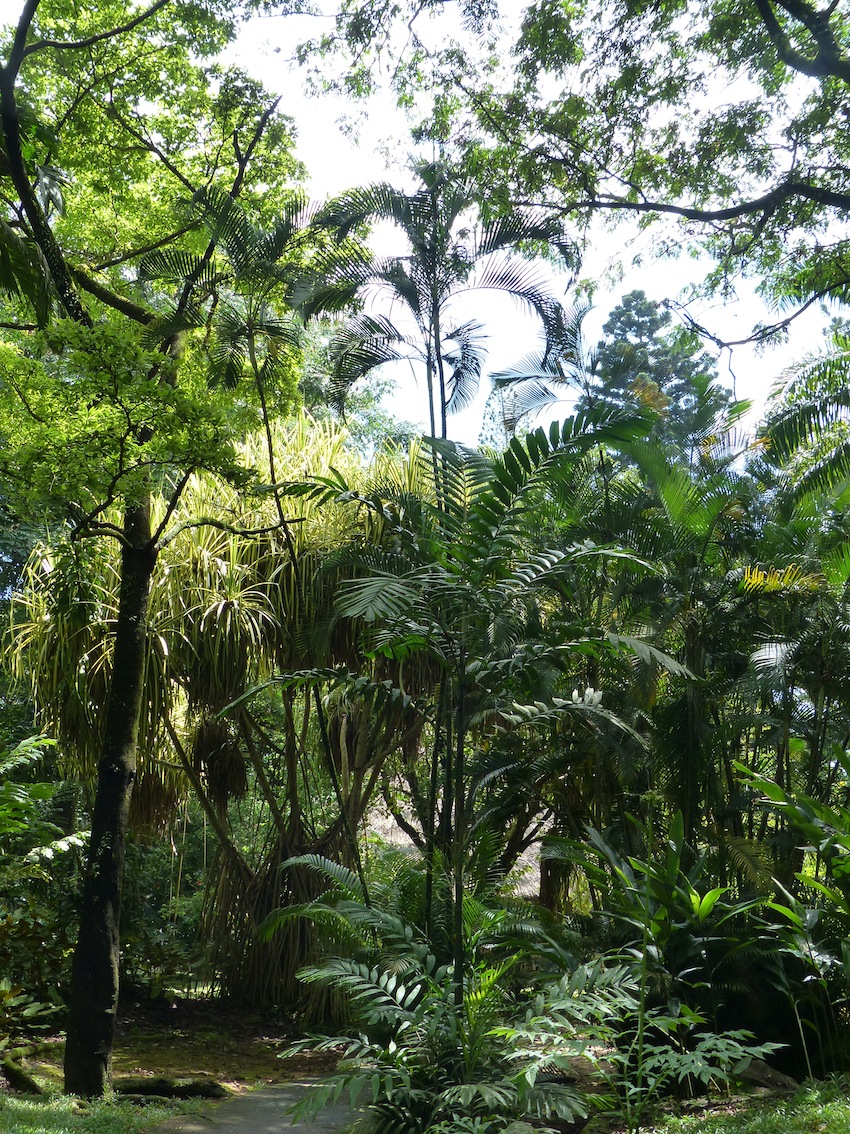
(94, 981)
(459, 841)
(42, 233)
(430, 827)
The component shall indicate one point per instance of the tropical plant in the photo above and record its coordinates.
(225, 614)
(696, 933)
(805, 433)
(454, 589)
(641, 1053)
(449, 255)
(815, 919)
(135, 418)
(423, 1060)
(37, 863)
(421, 1056)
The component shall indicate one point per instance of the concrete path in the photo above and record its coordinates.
(262, 1111)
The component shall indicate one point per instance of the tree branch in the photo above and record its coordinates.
(16, 55)
(172, 505)
(90, 41)
(145, 249)
(252, 145)
(112, 299)
(828, 62)
(41, 231)
(152, 148)
(760, 335)
(219, 525)
(768, 203)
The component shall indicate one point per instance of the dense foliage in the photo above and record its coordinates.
(590, 683)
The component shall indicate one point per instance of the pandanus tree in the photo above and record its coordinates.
(233, 605)
(450, 254)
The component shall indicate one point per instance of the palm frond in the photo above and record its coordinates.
(526, 283)
(294, 218)
(176, 265)
(362, 344)
(465, 360)
(345, 880)
(227, 224)
(532, 226)
(24, 273)
(358, 206)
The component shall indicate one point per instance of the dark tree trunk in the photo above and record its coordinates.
(94, 980)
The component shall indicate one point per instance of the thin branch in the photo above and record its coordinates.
(252, 145)
(220, 525)
(87, 528)
(10, 381)
(152, 148)
(145, 249)
(172, 505)
(762, 334)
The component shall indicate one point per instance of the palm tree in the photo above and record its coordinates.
(457, 585)
(449, 255)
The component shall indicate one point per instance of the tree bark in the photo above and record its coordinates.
(94, 980)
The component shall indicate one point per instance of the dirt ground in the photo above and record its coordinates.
(192, 1040)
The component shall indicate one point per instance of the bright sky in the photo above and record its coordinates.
(336, 160)
(343, 145)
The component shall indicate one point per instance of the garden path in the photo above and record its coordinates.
(262, 1111)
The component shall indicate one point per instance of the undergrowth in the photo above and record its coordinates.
(820, 1108)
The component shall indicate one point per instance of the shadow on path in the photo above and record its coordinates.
(262, 1111)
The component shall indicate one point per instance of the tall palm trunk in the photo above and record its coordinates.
(94, 984)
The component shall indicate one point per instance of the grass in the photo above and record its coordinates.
(64, 1115)
(820, 1108)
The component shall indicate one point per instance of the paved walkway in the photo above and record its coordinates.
(262, 1111)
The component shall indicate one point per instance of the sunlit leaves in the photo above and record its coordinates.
(93, 413)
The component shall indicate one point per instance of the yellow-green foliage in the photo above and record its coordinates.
(94, 414)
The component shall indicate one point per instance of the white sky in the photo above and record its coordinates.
(336, 160)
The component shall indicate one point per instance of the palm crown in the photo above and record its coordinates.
(448, 256)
